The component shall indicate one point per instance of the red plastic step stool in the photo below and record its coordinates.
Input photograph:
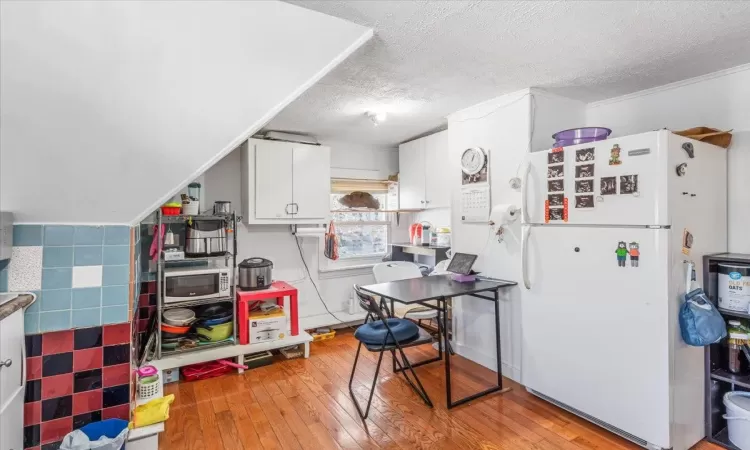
(278, 290)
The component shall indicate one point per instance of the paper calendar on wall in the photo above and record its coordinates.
(475, 190)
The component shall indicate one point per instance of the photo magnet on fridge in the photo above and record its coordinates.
(555, 214)
(628, 184)
(614, 156)
(555, 171)
(608, 185)
(555, 199)
(555, 157)
(687, 242)
(585, 171)
(584, 201)
(634, 254)
(621, 252)
(584, 186)
(585, 154)
(555, 186)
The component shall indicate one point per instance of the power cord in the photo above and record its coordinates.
(309, 276)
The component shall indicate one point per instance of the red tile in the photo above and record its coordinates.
(88, 401)
(33, 368)
(57, 386)
(117, 412)
(143, 325)
(143, 300)
(32, 413)
(88, 359)
(57, 342)
(152, 287)
(116, 375)
(116, 334)
(55, 430)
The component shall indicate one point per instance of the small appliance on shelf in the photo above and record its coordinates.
(196, 283)
(255, 274)
(205, 237)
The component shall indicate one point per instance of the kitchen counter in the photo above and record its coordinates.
(430, 247)
(16, 302)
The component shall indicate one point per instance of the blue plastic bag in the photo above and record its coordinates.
(701, 323)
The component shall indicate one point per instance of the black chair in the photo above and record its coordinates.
(375, 313)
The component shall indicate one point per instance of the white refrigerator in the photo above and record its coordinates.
(603, 251)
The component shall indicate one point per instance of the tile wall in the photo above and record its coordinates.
(75, 377)
(81, 275)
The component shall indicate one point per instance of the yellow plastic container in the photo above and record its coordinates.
(324, 336)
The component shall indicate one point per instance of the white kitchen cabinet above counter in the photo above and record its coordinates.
(285, 182)
(423, 167)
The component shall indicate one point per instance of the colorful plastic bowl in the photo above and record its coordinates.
(580, 136)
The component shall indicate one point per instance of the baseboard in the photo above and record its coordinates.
(488, 361)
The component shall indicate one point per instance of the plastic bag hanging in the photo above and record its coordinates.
(331, 250)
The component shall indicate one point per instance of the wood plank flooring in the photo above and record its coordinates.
(305, 404)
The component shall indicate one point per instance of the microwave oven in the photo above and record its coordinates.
(196, 283)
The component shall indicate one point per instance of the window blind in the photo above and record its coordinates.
(347, 185)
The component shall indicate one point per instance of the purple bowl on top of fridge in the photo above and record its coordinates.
(580, 136)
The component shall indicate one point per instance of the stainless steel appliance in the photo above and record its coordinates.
(205, 237)
(6, 234)
(196, 283)
(255, 274)
(222, 207)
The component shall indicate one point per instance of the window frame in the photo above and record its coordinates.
(373, 257)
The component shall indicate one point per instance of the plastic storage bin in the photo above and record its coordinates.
(738, 418)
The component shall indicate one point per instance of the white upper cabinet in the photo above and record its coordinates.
(423, 172)
(285, 182)
(411, 175)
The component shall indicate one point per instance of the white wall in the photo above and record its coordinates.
(275, 242)
(108, 108)
(720, 100)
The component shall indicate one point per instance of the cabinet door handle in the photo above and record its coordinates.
(286, 208)
(7, 363)
(296, 208)
(421, 201)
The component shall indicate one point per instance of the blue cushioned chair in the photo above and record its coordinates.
(381, 334)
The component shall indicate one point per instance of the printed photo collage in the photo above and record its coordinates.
(556, 185)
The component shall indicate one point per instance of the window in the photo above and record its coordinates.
(361, 234)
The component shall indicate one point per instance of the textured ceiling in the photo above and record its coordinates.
(431, 58)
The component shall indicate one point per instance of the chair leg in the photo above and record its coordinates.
(419, 390)
(364, 415)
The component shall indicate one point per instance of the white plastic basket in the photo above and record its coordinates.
(738, 418)
(148, 390)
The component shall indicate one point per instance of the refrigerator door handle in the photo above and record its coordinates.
(525, 234)
(524, 192)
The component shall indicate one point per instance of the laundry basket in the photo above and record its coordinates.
(738, 418)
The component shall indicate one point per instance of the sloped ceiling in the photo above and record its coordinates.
(109, 108)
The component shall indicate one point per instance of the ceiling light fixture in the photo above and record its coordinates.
(376, 118)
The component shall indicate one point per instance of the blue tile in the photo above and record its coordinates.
(27, 235)
(4, 280)
(87, 297)
(57, 257)
(116, 235)
(88, 235)
(57, 278)
(114, 314)
(56, 300)
(115, 295)
(58, 235)
(115, 275)
(34, 308)
(53, 321)
(30, 323)
(90, 317)
(89, 255)
(116, 255)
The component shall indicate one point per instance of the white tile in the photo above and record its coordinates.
(25, 269)
(87, 276)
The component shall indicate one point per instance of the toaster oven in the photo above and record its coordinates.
(196, 283)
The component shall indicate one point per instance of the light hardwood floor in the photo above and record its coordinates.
(305, 404)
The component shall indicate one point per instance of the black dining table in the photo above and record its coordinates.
(441, 289)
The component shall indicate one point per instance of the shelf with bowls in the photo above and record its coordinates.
(183, 217)
(201, 302)
(199, 347)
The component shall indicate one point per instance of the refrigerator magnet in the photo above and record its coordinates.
(608, 185)
(634, 254)
(585, 154)
(555, 199)
(584, 201)
(621, 252)
(555, 171)
(584, 186)
(555, 186)
(565, 209)
(556, 214)
(556, 156)
(585, 171)
(614, 156)
(629, 184)
(687, 242)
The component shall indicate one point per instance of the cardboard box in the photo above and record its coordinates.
(267, 327)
